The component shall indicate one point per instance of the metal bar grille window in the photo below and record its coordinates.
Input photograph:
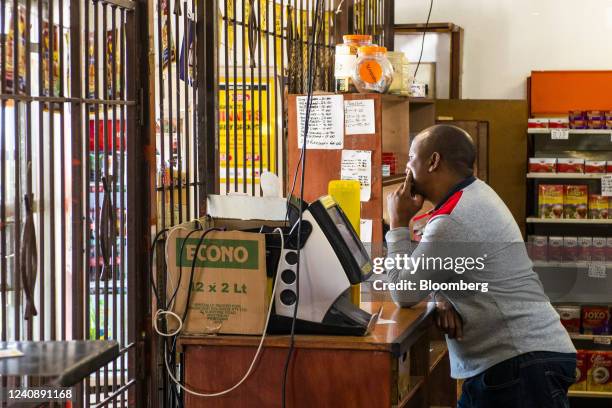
(67, 119)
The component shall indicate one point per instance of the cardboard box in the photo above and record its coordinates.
(599, 376)
(584, 248)
(570, 249)
(575, 201)
(228, 291)
(582, 367)
(598, 250)
(550, 200)
(598, 207)
(555, 249)
(542, 165)
(594, 166)
(570, 317)
(595, 319)
(571, 165)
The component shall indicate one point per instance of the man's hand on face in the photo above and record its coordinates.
(402, 205)
(447, 319)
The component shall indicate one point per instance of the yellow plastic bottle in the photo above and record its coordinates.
(347, 194)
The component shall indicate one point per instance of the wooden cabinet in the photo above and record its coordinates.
(397, 118)
(400, 364)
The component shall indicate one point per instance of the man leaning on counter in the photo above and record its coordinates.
(511, 352)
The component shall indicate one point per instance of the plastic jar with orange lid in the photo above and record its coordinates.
(373, 72)
(346, 57)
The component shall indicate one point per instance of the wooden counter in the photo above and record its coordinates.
(400, 364)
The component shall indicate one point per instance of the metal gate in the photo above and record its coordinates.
(223, 69)
(72, 201)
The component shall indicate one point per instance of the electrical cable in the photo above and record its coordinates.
(312, 64)
(261, 341)
(423, 40)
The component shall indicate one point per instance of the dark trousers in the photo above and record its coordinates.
(533, 380)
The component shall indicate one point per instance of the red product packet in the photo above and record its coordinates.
(570, 249)
(595, 319)
(555, 249)
(598, 250)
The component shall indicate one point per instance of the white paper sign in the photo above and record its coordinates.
(559, 134)
(357, 165)
(597, 270)
(365, 230)
(359, 117)
(326, 122)
(606, 185)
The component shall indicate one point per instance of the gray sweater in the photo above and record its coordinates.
(513, 316)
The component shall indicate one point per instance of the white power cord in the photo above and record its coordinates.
(255, 358)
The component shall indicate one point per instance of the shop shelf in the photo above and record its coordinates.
(394, 179)
(590, 394)
(415, 383)
(565, 175)
(568, 264)
(596, 338)
(538, 131)
(536, 220)
(437, 352)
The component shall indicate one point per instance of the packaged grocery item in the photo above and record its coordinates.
(538, 245)
(398, 60)
(576, 114)
(571, 165)
(599, 377)
(550, 200)
(577, 120)
(558, 123)
(373, 72)
(390, 159)
(584, 248)
(609, 165)
(570, 317)
(595, 119)
(570, 249)
(598, 250)
(596, 319)
(345, 59)
(542, 165)
(594, 166)
(596, 124)
(555, 249)
(598, 207)
(609, 249)
(575, 201)
(582, 367)
(386, 170)
(594, 115)
(537, 123)
(608, 119)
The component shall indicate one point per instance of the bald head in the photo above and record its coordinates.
(453, 144)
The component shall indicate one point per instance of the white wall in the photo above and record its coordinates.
(504, 40)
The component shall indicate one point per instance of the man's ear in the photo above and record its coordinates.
(434, 161)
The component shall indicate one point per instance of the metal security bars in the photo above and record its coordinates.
(69, 120)
(223, 69)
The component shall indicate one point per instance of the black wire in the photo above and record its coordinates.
(312, 64)
(423, 40)
(151, 255)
